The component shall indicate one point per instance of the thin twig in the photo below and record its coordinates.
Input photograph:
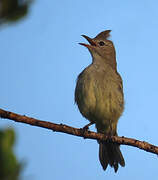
(78, 132)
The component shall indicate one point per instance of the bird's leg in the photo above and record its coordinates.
(85, 128)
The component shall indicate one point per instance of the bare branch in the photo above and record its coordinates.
(78, 132)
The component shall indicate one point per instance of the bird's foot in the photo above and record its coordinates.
(85, 128)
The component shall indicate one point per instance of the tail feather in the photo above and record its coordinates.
(109, 153)
(103, 156)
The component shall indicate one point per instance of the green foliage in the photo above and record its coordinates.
(10, 168)
(13, 10)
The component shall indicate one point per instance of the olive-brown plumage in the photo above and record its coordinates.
(99, 95)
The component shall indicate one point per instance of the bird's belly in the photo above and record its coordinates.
(86, 100)
(100, 103)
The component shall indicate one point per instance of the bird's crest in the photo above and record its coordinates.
(103, 35)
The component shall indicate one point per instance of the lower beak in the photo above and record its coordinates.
(91, 42)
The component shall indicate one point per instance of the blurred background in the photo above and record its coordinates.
(40, 59)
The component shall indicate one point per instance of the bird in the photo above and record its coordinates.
(99, 96)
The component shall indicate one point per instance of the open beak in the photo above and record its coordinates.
(91, 42)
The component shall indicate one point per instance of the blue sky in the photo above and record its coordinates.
(40, 61)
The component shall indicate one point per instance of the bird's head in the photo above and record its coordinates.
(100, 46)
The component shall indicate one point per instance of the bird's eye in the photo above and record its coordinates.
(101, 43)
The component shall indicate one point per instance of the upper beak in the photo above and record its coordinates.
(91, 42)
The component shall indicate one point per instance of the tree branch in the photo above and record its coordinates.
(78, 132)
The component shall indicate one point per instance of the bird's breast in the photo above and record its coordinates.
(98, 96)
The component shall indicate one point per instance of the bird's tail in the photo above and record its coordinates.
(109, 153)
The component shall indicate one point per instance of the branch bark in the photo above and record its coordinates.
(79, 132)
